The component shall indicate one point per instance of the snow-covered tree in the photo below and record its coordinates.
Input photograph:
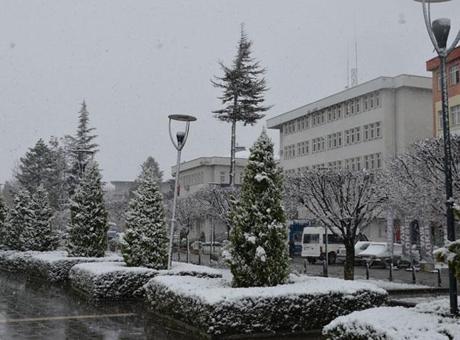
(3, 215)
(39, 234)
(18, 220)
(80, 148)
(146, 241)
(150, 162)
(87, 232)
(257, 253)
(341, 200)
(243, 87)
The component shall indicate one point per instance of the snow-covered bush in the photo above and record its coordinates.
(109, 280)
(18, 220)
(53, 266)
(216, 308)
(450, 255)
(38, 234)
(439, 306)
(258, 254)
(392, 323)
(3, 214)
(145, 242)
(87, 233)
(188, 269)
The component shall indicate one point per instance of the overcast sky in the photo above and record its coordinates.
(135, 62)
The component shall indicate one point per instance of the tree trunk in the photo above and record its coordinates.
(232, 155)
(349, 265)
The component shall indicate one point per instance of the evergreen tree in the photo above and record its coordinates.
(150, 162)
(258, 254)
(3, 214)
(18, 220)
(243, 88)
(35, 167)
(39, 234)
(146, 240)
(87, 233)
(80, 148)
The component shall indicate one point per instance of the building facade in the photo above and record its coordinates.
(358, 128)
(453, 90)
(198, 174)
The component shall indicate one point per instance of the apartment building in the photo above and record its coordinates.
(358, 128)
(453, 91)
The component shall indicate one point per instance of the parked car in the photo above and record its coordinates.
(379, 253)
(360, 246)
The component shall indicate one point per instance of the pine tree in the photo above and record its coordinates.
(87, 233)
(150, 162)
(243, 88)
(18, 220)
(258, 254)
(3, 215)
(146, 241)
(81, 149)
(39, 234)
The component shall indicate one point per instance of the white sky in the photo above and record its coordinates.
(135, 62)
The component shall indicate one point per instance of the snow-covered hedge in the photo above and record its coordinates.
(114, 280)
(216, 308)
(53, 266)
(439, 306)
(109, 280)
(392, 323)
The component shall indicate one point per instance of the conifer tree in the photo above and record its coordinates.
(146, 240)
(39, 234)
(87, 233)
(35, 167)
(81, 148)
(3, 214)
(243, 87)
(258, 254)
(18, 220)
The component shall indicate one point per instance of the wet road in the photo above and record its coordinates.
(38, 311)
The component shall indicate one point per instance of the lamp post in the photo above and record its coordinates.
(179, 143)
(438, 31)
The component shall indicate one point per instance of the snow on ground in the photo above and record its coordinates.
(213, 291)
(393, 323)
(439, 306)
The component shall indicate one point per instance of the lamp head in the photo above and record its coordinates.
(182, 118)
(180, 135)
(432, 1)
(441, 29)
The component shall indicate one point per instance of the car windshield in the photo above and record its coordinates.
(311, 238)
(374, 249)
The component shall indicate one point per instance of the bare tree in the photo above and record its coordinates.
(216, 200)
(341, 200)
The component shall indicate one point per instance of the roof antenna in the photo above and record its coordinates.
(354, 71)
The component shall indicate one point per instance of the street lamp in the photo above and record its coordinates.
(179, 143)
(438, 31)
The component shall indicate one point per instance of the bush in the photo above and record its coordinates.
(216, 308)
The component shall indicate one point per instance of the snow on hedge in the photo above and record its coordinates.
(389, 286)
(54, 266)
(115, 280)
(109, 280)
(392, 323)
(188, 269)
(213, 306)
(439, 306)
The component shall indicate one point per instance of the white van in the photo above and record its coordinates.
(314, 244)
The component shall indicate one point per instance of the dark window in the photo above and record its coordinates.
(311, 238)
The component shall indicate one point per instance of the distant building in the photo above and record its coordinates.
(199, 173)
(357, 128)
(453, 83)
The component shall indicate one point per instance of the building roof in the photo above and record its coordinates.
(208, 161)
(433, 64)
(403, 80)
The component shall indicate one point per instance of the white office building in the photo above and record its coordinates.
(357, 128)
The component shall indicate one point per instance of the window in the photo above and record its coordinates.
(454, 74)
(373, 161)
(222, 177)
(318, 144)
(377, 99)
(438, 75)
(455, 115)
(439, 119)
(372, 131)
(310, 238)
(365, 103)
(357, 105)
(371, 101)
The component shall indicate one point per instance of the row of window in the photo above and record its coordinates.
(335, 140)
(453, 76)
(454, 116)
(370, 162)
(192, 179)
(332, 113)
